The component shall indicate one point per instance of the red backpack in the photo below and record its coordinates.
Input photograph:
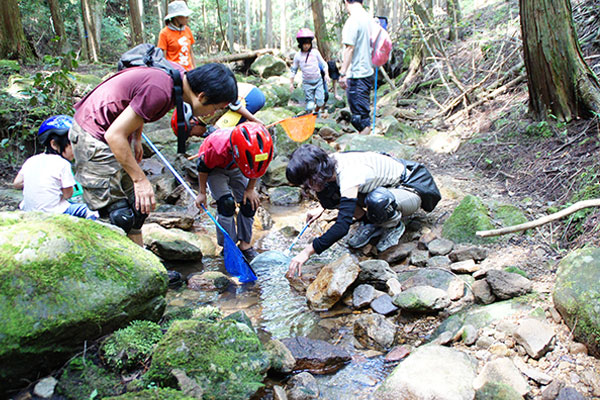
(381, 44)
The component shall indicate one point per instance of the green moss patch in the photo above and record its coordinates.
(129, 347)
(470, 216)
(225, 358)
(153, 394)
(82, 378)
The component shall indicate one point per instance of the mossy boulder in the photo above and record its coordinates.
(224, 358)
(9, 67)
(82, 377)
(497, 391)
(577, 295)
(268, 65)
(277, 92)
(153, 394)
(470, 216)
(65, 280)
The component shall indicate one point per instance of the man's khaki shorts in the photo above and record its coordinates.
(103, 179)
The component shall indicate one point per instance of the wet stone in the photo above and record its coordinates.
(419, 258)
(464, 267)
(316, 356)
(440, 247)
(397, 353)
(363, 295)
(482, 292)
(438, 262)
(569, 393)
(302, 387)
(398, 253)
(468, 253)
(383, 305)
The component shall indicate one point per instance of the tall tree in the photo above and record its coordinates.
(160, 10)
(230, 24)
(13, 43)
(454, 16)
(269, 23)
(283, 27)
(135, 17)
(559, 80)
(87, 12)
(320, 29)
(58, 25)
(248, 24)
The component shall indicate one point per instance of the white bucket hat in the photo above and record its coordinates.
(178, 9)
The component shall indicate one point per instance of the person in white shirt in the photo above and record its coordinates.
(46, 179)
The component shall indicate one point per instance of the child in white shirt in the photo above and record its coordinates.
(46, 179)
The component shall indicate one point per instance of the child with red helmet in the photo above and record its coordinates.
(311, 63)
(230, 161)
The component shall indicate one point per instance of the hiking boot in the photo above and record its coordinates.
(390, 237)
(249, 254)
(392, 222)
(363, 234)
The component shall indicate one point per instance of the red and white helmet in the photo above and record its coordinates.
(188, 118)
(305, 33)
(252, 149)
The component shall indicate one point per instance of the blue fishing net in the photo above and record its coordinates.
(235, 263)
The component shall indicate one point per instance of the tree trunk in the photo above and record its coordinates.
(560, 82)
(59, 26)
(13, 43)
(90, 29)
(259, 22)
(454, 16)
(82, 39)
(268, 23)
(394, 19)
(283, 28)
(320, 29)
(160, 11)
(221, 25)
(137, 31)
(248, 23)
(230, 24)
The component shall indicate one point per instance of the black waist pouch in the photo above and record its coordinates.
(417, 177)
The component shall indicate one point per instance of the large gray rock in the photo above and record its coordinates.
(64, 281)
(502, 370)
(431, 372)
(268, 65)
(535, 336)
(577, 296)
(422, 299)
(373, 331)
(506, 285)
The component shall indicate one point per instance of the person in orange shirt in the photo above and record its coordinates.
(176, 38)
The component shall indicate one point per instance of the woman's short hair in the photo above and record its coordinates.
(216, 81)
(310, 163)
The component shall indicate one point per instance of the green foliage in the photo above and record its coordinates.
(83, 379)
(8, 67)
(20, 116)
(129, 347)
(207, 313)
(497, 391)
(588, 185)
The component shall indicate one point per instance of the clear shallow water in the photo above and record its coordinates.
(274, 306)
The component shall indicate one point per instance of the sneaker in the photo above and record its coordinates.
(390, 237)
(249, 254)
(363, 234)
(392, 222)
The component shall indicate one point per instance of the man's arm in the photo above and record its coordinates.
(19, 180)
(117, 138)
(67, 193)
(346, 61)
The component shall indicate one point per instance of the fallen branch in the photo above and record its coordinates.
(541, 221)
(238, 56)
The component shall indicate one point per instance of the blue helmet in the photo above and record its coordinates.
(58, 124)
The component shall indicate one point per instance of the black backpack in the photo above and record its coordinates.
(416, 176)
(148, 55)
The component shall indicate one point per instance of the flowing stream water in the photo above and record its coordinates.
(281, 311)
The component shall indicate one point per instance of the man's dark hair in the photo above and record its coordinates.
(353, 1)
(310, 163)
(216, 81)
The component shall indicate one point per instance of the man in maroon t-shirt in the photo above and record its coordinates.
(109, 122)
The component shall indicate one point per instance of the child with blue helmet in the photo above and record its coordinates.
(46, 179)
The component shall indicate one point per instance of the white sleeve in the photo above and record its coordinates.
(66, 175)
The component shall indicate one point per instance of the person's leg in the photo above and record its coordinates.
(319, 95)
(245, 217)
(106, 186)
(407, 203)
(80, 211)
(358, 94)
(218, 184)
(309, 95)
(334, 86)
